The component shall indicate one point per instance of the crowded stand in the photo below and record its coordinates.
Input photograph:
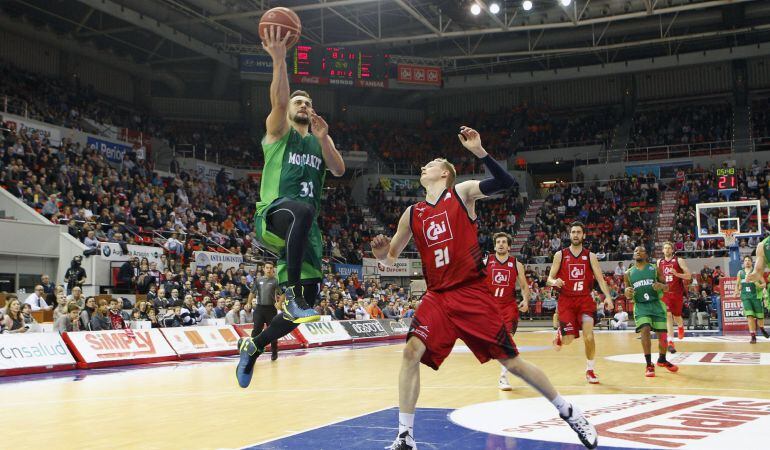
(619, 214)
(684, 124)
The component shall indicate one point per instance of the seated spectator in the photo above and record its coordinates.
(29, 321)
(68, 322)
(362, 312)
(48, 285)
(374, 311)
(339, 311)
(390, 311)
(173, 317)
(143, 307)
(220, 310)
(76, 296)
(620, 319)
(324, 309)
(62, 308)
(116, 316)
(233, 317)
(189, 313)
(100, 319)
(36, 300)
(247, 313)
(14, 321)
(208, 310)
(153, 318)
(87, 313)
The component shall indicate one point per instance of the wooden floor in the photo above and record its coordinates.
(199, 405)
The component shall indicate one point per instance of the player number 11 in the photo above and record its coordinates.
(442, 257)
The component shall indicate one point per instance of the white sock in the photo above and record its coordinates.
(503, 371)
(590, 364)
(406, 423)
(561, 404)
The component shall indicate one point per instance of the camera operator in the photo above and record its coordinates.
(75, 275)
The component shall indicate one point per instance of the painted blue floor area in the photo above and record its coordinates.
(432, 427)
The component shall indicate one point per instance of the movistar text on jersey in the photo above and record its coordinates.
(305, 160)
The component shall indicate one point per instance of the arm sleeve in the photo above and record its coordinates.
(500, 181)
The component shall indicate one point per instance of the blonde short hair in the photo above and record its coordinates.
(449, 167)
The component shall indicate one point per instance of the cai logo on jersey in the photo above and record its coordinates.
(501, 277)
(577, 272)
(436, 229)
(688, 422)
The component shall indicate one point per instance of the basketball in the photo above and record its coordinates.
(286, 19)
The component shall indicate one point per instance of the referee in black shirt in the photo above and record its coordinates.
(264, 311)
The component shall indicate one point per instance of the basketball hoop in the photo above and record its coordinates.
(729, 237)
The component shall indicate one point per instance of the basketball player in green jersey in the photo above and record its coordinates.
(751, 297)
(298, 151)
(643, 282)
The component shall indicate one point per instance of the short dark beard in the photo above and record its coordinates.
(640, 260)
(301, 120)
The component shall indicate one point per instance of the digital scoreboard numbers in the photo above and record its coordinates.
(338, 63)
(726, 179)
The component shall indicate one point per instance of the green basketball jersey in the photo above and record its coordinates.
(642, 281)
(748, 290)
(294, 168)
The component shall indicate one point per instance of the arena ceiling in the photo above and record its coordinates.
(197, 37)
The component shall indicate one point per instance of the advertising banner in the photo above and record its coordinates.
(228, 260)
(112, 151)
(429, 75)
(208, 171)
(118, 347)
(111, 251)
(364, 329)
(290, 341)
(732, 307)
(32, 353)
(327, 333)
(202, 340)
(346, 270)
(401, 268)
(396, 328)
(256, 64)
(34, 129)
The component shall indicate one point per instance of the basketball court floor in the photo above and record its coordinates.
(346, 398)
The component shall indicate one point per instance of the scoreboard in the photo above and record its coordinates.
(726, 179)
(338, 63)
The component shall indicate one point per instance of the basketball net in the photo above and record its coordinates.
(729, 237)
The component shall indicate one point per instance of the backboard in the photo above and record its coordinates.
(744, 216)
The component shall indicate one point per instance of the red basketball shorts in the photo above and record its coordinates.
(571, 310)
(674, 303)
(467, 312)
(510, 312)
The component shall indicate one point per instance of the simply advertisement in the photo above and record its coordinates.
(687, 422)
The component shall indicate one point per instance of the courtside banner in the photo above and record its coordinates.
(324, 333)
(289, 342)
(732, 308)
(33, 353)
(118, 347)
(396, 328)
(202, 340)
(364, 329)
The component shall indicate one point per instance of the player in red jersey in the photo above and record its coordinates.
(503, 271)
(574, 271)
(458, 303)
(676, 273)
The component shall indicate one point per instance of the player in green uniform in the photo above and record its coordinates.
(751, 296)
(298, 151)
(643, 283)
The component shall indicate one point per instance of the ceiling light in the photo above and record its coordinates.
(475, 9)
(494, 8)
(527, 5)
(566, 2)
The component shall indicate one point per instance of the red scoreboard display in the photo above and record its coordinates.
(338, 63)
(726, 179)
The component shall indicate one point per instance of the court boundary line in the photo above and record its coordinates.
(316, 427)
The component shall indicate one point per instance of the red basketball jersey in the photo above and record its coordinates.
(501, 278)
(576, 273)
(447, 240)
(675, 284)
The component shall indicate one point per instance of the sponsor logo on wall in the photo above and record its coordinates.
(33, 350)
(364, 328)
(112, 151)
